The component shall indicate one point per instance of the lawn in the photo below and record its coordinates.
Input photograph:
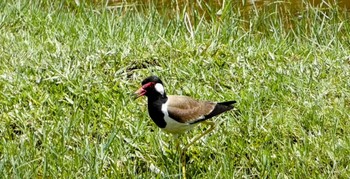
(68, 72)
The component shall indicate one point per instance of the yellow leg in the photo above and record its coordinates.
(183, 151)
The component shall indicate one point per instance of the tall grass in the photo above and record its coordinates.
(67, 73)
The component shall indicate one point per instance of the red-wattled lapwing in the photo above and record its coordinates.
(177, 114)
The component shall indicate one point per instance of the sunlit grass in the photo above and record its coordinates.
(67, 74)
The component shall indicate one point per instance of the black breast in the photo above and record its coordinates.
(155, 111)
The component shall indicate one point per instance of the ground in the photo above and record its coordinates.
(67, 74)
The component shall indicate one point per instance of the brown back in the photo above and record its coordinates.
(185, 109)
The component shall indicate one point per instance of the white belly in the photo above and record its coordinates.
(175, 127)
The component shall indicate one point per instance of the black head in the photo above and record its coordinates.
(153, 79)
(152, 87)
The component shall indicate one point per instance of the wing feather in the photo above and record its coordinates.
(187, 110)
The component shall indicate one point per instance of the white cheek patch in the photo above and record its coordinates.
(159, 87)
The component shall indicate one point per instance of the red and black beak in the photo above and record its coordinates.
(140, 92)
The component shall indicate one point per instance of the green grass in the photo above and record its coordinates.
(67, 74)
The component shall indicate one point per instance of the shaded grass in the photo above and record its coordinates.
(66, 76)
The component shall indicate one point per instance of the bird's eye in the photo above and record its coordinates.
(148, 85)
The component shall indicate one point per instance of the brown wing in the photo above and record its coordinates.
(187, 110)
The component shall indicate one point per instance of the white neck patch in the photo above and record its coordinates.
(159, 87)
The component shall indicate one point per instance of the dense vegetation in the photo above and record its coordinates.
(67, 73)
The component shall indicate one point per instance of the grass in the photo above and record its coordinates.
(67, 74)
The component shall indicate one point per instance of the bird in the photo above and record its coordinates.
(177, 114)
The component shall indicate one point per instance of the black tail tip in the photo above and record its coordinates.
(228, 103)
